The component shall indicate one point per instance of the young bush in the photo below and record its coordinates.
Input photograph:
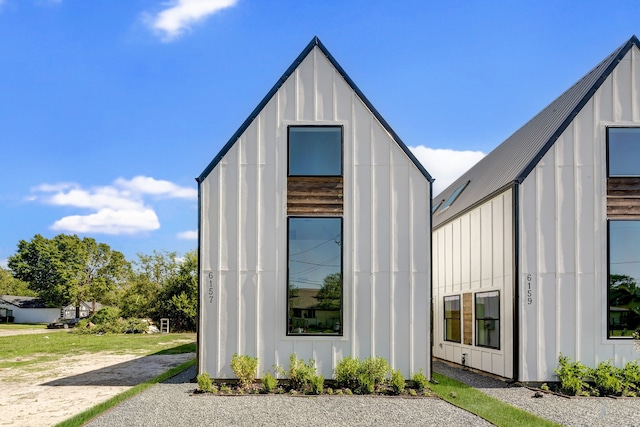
(366, 384)
(608, 379)
(269, 382)
(572, 376)
(300, 373)
(397, 382)
(631, 378)
(317, 384)
(420, 381)
(205, 384)
(105, 315)
(375, 368)
(245, 369)
(346, 372)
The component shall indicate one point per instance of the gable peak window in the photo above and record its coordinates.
(315, 151)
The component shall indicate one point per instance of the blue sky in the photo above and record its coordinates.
(110, 109)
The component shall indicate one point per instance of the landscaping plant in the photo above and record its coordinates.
(420, 381)
(245, 368)
(205, 385)
(572, 376)
(346, 372)
(397, 382)
(608, 379)
(269, 382)
(301, 374)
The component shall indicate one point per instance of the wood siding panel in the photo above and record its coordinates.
(623, 197)
(467, 318)
(314, 195)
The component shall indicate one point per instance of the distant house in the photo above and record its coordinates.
(29, 309)
(86, 309)
(314, 232)
(536, 249)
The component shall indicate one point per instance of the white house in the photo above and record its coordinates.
(29, 309)
(314, 232)
(536, 249)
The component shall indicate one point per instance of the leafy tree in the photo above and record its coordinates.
(179, 297)
(67, 269)
(625, 293)
(330, 294)
(9, 285)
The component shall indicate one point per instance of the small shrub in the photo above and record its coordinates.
(544, 387)
(397, 382)
(245, 369)
(269, 382)
(225, 389)
(412, 392)
(329, 391)
(348, 391)
(608, 379)
(346, 372)
(205, 384)
(317, 384)
(366, 385)
(631, 378)
(136, 326)
(375, 369)
(572, 376)
(420, 381)
(300, 373)
(105, 315)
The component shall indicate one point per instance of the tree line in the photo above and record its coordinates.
(66, 270)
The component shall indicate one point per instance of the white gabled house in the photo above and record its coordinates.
(314, 232)
(536, 249)
(28, 309)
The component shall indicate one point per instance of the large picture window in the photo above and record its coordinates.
(452, 318)
(488, 319)
(624, 278)
(314, 302)
(315, 151)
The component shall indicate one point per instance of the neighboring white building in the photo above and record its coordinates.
(530, 246)
(314, 232)
(29, 309)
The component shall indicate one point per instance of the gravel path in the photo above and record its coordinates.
(172, 404)
(582, 411)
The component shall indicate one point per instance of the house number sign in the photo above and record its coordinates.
(210, 287)
(529, 289)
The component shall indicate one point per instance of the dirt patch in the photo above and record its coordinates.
(61, 389)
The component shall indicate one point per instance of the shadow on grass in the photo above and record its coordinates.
(132, 372)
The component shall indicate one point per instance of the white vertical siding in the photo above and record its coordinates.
(474, 253)
(386, 243)
(563, 236)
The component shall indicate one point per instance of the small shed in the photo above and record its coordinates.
(314, 232)
(536, 249)
(29, 309)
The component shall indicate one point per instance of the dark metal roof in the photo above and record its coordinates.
(513, 160)
(313, 43)
(23, 302)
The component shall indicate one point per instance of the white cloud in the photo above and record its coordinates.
(188, 235)
(4, 263)
(445, 165)
(120, 208)
(178, 17)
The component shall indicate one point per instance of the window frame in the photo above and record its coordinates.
(334, 126)
(608, 152)
(341, 332)
(608, 301)
(477, 319)
(447, 319)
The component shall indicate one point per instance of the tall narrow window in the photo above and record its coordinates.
(624, 278)
(452, 318)
(314, 303)
(488, 319)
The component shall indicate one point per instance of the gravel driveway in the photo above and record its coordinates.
(172, 404)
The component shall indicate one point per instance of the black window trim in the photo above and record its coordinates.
(444, 303)
(607, 151)
(475, 318)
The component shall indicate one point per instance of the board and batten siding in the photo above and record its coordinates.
(563, 236)
(473, 253)
(386, 238)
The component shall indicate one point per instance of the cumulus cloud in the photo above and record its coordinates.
(445, 165)
(188, 235)
(120, 208)
(181, 14)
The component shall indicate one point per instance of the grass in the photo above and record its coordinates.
(487, 407)
(91, 413)
(25, 350)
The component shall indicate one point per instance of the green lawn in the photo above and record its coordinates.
(23, 350)
(493, 410)
(21, 326)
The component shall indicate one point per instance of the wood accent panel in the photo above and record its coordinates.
(315, 195)
(467, 318)
(623, 197)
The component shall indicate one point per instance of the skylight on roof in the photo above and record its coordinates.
(453, 196)
(436, 206)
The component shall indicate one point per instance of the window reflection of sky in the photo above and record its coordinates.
(624, 151)
(315, 151)
(314, 251)
(624, 244)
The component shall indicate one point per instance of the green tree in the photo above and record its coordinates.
(67, 270)
(9, 285)
(330, 294)
(179, 297)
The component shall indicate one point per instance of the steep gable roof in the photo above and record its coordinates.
(313, 43)
(513, 160)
